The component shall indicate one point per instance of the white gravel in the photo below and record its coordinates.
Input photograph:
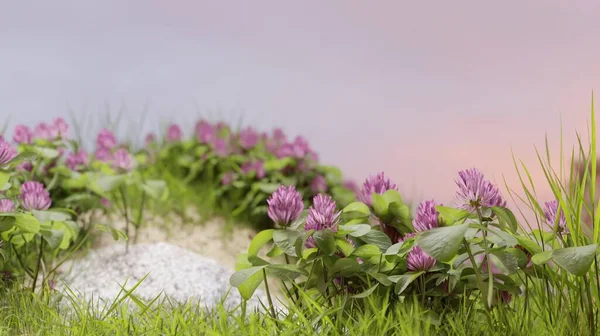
(178, 273)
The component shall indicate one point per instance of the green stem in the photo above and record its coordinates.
(479, 280)
(126, 213)
(269, 295)
(311, 272)
(488, 260)
(138, 220)
(39, 264)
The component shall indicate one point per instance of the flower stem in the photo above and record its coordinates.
(269, 295)
(126, 213)
(39, 264)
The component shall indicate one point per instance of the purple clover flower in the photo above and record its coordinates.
(205, 132)
(318, 184)
(7, 152)
(475, 191)
(375, 184)
(22, 134)
(43, 131)
(77, 161)
(105, 202)
(59, 128)
(103, 154)
(220, 147)
(34, 196)
(7, 205)
(174, 133)
(228, 178)
(122, 160)
(248, 138)
(321, 216)
(150, 139)
(106, 139)
(426, 217)
(417, 260)
(351, 185)
(551, 209)
(285, 205)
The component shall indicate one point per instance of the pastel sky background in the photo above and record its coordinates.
(417, 89)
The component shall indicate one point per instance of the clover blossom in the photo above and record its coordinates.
(76, 161)
(375, 184)
(285, 205)
(205, 132)
(22, 134)
(318, 184)
(7, 205)
(34, 196)
(551, 213)
(475, 191)
(7, 152)
(106, 139)
(321, 216)
(248, 138)
(426, 217)
(417, 260)
(122, 160)
(174, 133)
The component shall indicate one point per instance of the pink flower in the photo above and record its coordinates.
(7, 205)
(7, 152)
(228, 178)
(426, 217)
(285, 205)
(318, 184)
(475, 191)
(22, 134)
(34, 196)
(551, 215)
(174, 133)
(122, 160)
(205, 132)
(256, 166)
(351, 185)
(220, 147)
(105, 202)
(25, 166)
(77, 161)
(150, 139)
(59, 128)
(106, 139)
(321, 216)
(248, 138)
(43, 131)
(417, 260)
(103, 154)
(375, 184)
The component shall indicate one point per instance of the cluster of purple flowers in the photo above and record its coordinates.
(58, 128)
(107, 151)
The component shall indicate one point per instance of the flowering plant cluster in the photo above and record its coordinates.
(239, 170)
(471, 252)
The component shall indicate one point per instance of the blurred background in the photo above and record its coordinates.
(418, 90)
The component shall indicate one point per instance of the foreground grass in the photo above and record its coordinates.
(23, 314)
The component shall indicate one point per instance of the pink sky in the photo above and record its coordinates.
(419, 90)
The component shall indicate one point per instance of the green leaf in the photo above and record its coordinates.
(576, 260)
(365, 293)
(286, 272)
(307, 252)
(378, 238)
(7, 222)
(382, 278)
(156, 189)
(392, 196)
(267, 188)
(47, 153)
(451, 215)
(4, 178)
(404, 280)
(51, 215)
(278, 164)
(325, 240)
(357, 207)
(521, 257)
(506, 216)
(53, 237)
(529, 244)
(345, 246)
(398, 210)
(394, 249)
(355, 230)
(259, 241)
(380, 205)
(286, 240)
(541, 257)
(508, 260)
(247, 280)
(27, 223)
(345, 267)
(501, 238)
(366, 251)
(442, 243)
(107, 183)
